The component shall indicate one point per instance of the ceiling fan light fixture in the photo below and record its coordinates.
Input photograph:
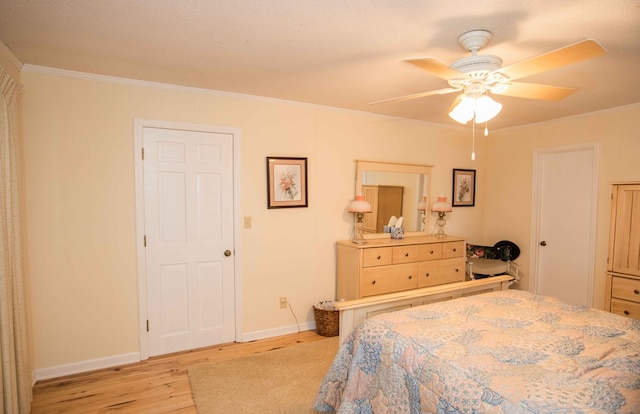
(486, 108)
(483, 108)
(464, 111)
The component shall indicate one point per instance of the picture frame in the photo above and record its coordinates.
(463, 193)
(286, 182)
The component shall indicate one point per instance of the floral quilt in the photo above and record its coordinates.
(500, 352)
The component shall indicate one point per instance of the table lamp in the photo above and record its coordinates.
(442, 207)
(359, 206)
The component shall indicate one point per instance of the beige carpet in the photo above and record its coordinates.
(282, 381)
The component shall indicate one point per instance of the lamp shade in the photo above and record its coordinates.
(359, 205)
(483, 108)
(463, 112)
(486, 108)
(422, 206)
(441, 205)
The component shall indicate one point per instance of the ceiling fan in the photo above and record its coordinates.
(478, 75)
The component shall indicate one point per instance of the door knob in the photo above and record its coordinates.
(543, 243)
(227, 253)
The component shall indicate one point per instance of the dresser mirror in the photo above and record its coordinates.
(401, 187)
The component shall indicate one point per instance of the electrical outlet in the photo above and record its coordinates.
(283, 303)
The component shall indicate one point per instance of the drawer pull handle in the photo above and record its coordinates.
(454, 250)
(457, 270)
(636, 291)
(379, 257)
(426, 274)
(410, 277)
(373, 282)
(406, 255)
(431, 252)
(627, 312)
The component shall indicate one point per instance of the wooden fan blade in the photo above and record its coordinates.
(416, 95)
(441, 70)
(536, 91)
(455, 102)
(567, 55)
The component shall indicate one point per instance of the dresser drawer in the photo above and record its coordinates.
(440, 272)
(625, 308)
(377, 257)
(387, 279)
(625, 288)
(431, 251)
(453, 249)
(405, 254)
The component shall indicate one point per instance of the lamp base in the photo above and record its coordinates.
(441, 222)
(358, 238)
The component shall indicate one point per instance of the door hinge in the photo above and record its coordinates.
(143, 154)
(145, 240)
(147, 325)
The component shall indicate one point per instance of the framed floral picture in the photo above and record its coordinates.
(464, 188)
(286, 182)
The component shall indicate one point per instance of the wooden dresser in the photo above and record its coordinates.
(623, 264)
(384, 266)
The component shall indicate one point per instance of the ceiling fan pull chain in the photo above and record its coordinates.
(473, 142)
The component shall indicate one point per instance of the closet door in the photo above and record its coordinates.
(188, 201)
(565, 195)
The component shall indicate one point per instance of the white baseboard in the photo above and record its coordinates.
(85, 366)
(270, 333)
(117, 360)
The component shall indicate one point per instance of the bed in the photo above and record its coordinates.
(501, 352)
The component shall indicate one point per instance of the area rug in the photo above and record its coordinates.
(282, 381)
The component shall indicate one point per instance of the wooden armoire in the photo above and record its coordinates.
(386, 201)
(623, 264)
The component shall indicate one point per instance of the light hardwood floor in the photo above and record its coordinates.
(157, 385)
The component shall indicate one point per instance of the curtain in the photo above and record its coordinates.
(15, 358)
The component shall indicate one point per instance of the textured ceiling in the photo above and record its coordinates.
(333, 52)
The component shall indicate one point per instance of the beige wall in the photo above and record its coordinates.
(79, 172)
(80, 193)
(510, 168)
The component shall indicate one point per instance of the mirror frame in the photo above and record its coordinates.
(363, 165)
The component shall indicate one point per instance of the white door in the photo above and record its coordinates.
(188, 210)
(565, 242)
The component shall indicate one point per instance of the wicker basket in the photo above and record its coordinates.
(327, 321)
